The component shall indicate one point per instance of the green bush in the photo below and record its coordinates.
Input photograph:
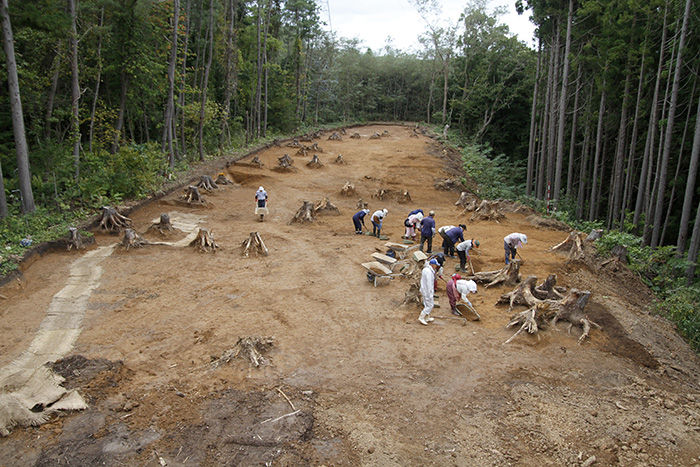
(495, 175)
(681, 307)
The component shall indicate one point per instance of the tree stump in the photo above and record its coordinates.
(192, 196)
(207, 183)
(305, 213)
(315, 147)
(385, 133)
(255, 243)
(571, 309)
(163, 226)
(375, 136)
(132, 240)
(547, 289)
(326, 207)
(74, 239)
(596, 234)
(362, 204)
(487, 211)
(112, 220)
(314, 163)
(509, 275)
(348, 189)
(343, 132)
(303, 151)
(293, 143)
(204, 242)
(413, 295)
(355, 135)
(307, 138)
(571, 246)
(251, 348)
(222, 180)
(467, 201)
(380, 194)
(339, 159)
(404, 197)
(531, 320)
(256, 162)
(335, 137)
(620, 253)
(521, 295)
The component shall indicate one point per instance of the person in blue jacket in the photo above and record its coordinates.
(359, 220)
(452, 237)
(427, 232)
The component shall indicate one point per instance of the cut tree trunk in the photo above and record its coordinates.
(521, 295)
(547, 290)
(362, 204)
(487, 211)
(204, 242)
(192, 196)
(222, 180)
(132, 240)
(315, 147)
(467, 201)
(251, 347)
(375, 136)
(74, 239)
(571, 309)
(255, 243)
(531, 320)
(112, 220)
(572, 246)
(207, 183)
(404, 197)
(305, 213)
(595, 234)
(339, 159)
(163, 226)
(256, 162)
(335, 137)
(355, 135)
(326, 207)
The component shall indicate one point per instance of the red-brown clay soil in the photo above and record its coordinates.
(354, 376)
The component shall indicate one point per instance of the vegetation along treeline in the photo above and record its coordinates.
(600, 123)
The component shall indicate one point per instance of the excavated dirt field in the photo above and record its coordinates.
(351, 378)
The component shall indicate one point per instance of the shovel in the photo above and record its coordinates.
(521, 258)
(464, 320)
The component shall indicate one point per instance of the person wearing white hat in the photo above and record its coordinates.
(359, 220)
(377, 219)
(511, 243)
(427, 290)
(261, 197)
(411, 223)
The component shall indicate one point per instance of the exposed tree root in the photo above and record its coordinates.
(547, 290)
(531, 320)
(326, 207)
(207, 183)
(385, 133)
(254, 242)
(112, 220)
(251, 348)
(521, 295)
(571, 309)
(132, 240)
(355, 135)
(305, 213)
(571, 246)
(339, 159)
(222, 180)
(467, 200)
(509, 275)
(204, 242)
(487, 211)
(256, 162)
(74, 239)
(163, 226)
(294, 143)
(362, 204)
(335, 137)
(375, 136)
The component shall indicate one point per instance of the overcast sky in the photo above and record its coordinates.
(372, 21)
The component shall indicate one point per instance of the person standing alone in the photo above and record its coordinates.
(427, 290)
(427, 232)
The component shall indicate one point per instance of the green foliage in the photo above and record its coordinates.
(681, 307)
(495, 175)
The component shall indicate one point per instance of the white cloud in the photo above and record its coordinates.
(372, 21)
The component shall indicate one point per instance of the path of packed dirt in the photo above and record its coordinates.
(351, 378)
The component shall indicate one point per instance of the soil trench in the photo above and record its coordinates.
(349, 376)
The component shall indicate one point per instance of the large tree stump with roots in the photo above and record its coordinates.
(487, 211)
(404, 197)
(207, 183)
(547, 290)
(571, 246)
(303, 151)
(305, 213)
(521, 295)
(596, 234)
(531, 320)
(571, 309)
(412, 294)
(307, 138)
(385, 133)
(467, 200)
(355, 135)
(256, 162)
(192, 196)
(204, 242)
(380, 194)
(339, 159)
(362, 204)
(222, 180)
(112, 220)
(132, 240)
(285, 163)
(315, 147)
(348, 189)
(250, 348)
(294, 143)
(326, 207)
(509, 275)
(335, 137)
(163, 226)
(74, 239)
(314, 163)
(375, 136)
(255, 243)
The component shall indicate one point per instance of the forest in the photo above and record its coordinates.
(599, 126)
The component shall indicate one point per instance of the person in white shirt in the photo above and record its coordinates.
(427, 290)
(463, 252)
(511, 243)
(377, 219)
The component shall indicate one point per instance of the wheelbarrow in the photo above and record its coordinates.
(377, 273)
(261, 212)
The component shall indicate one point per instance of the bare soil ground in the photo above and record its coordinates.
(351, 378)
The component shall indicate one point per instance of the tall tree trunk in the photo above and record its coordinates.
(180, 115)
(562, 105)
(693, 249)
(98, 80)
(3, 198)
(56, 67)
(265, 67)
(21, 149)
(583, 177)
(533, 122)
(572, 142)
(616, 194)
(642, 193)
(554, 112)
(167, 140)
(658, 212)
(75, 88)
(689, 188)
(205, 84)
(596, 158)
(542, 171)
(229, 77)
(119, 127)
